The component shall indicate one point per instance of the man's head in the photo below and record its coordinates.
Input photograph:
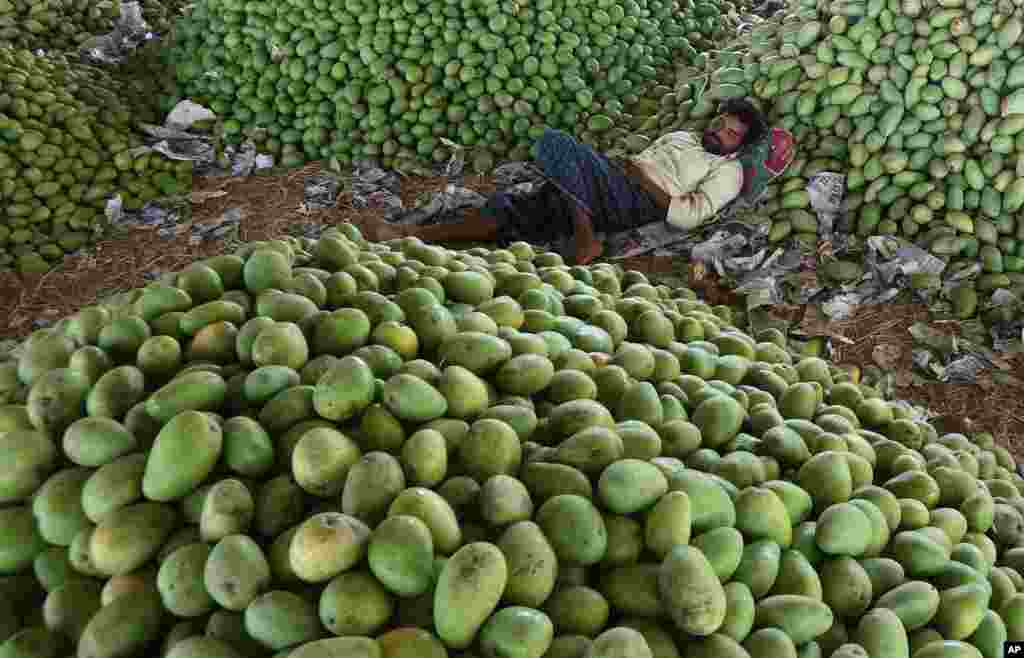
(738, 124)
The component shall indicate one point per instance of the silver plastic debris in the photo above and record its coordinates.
(186, 114)
(891, 258)
(717, 248)
(515, 173)
(373, 187)
(320, 191)
(952, 358)
(457, 161)
(840, 307)
(176, 140)
(888, 261)
(194, 148)
(965, 370)
(827, 190)
(1004, 297)
(443, 205)
(130, 30)
(1007, 336)
(114, 210)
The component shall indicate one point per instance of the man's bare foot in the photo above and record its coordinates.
(587, 252)
(380, 230)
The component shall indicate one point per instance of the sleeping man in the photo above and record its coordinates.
(680, 178)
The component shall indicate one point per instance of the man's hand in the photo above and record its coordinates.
(636, 173)
(690, 197)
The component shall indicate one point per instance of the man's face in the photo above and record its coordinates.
(724, 135)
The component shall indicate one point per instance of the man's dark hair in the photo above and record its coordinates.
(747, 112)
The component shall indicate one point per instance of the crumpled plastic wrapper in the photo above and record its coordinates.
(131, 30)
(320, 191)
(175, 141)
(114, 210)
(192, 148)
(186, 114)
(965, 369)
(157, 217)
(762, 277)
(373, 187)
(841, 306)
(168, 223)
(891, 258)
(739, 252)
(953, 279)
(387, 201)
(913, 411)
(215, 229)
(714, 250)
(950, 358)
(888, 262)
(770, 8)
(456, 163)
(827, 191)
(443, 205)
(368, 177)
(1008, 336)
(515, 173)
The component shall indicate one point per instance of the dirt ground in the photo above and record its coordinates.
(273, 204)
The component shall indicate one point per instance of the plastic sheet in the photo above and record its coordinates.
(179, 138)
(372, 187)
(131, 30)
(515, 173)
(187, 114)
(443, 205)
(1007, 336)
(951, 358)
(826, 190)
(320, 191)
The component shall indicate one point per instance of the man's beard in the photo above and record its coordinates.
(711, 144)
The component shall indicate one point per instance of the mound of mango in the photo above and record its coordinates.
(354, 450)
(67, 26)
(69, 142)
(392, 80)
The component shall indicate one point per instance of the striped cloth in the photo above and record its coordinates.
(574, 176)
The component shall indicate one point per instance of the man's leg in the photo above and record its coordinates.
(585, 245)
(602, 198)
(474, 227)
(572, 170)
(616, 201)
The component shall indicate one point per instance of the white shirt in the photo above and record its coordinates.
(678, 164)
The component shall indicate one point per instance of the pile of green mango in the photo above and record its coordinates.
(55, 24)
(69, 142)
(394, 80)
(66, 25)
(346, 449)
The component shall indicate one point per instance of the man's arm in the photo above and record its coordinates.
(637, 174)
(720, 187)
